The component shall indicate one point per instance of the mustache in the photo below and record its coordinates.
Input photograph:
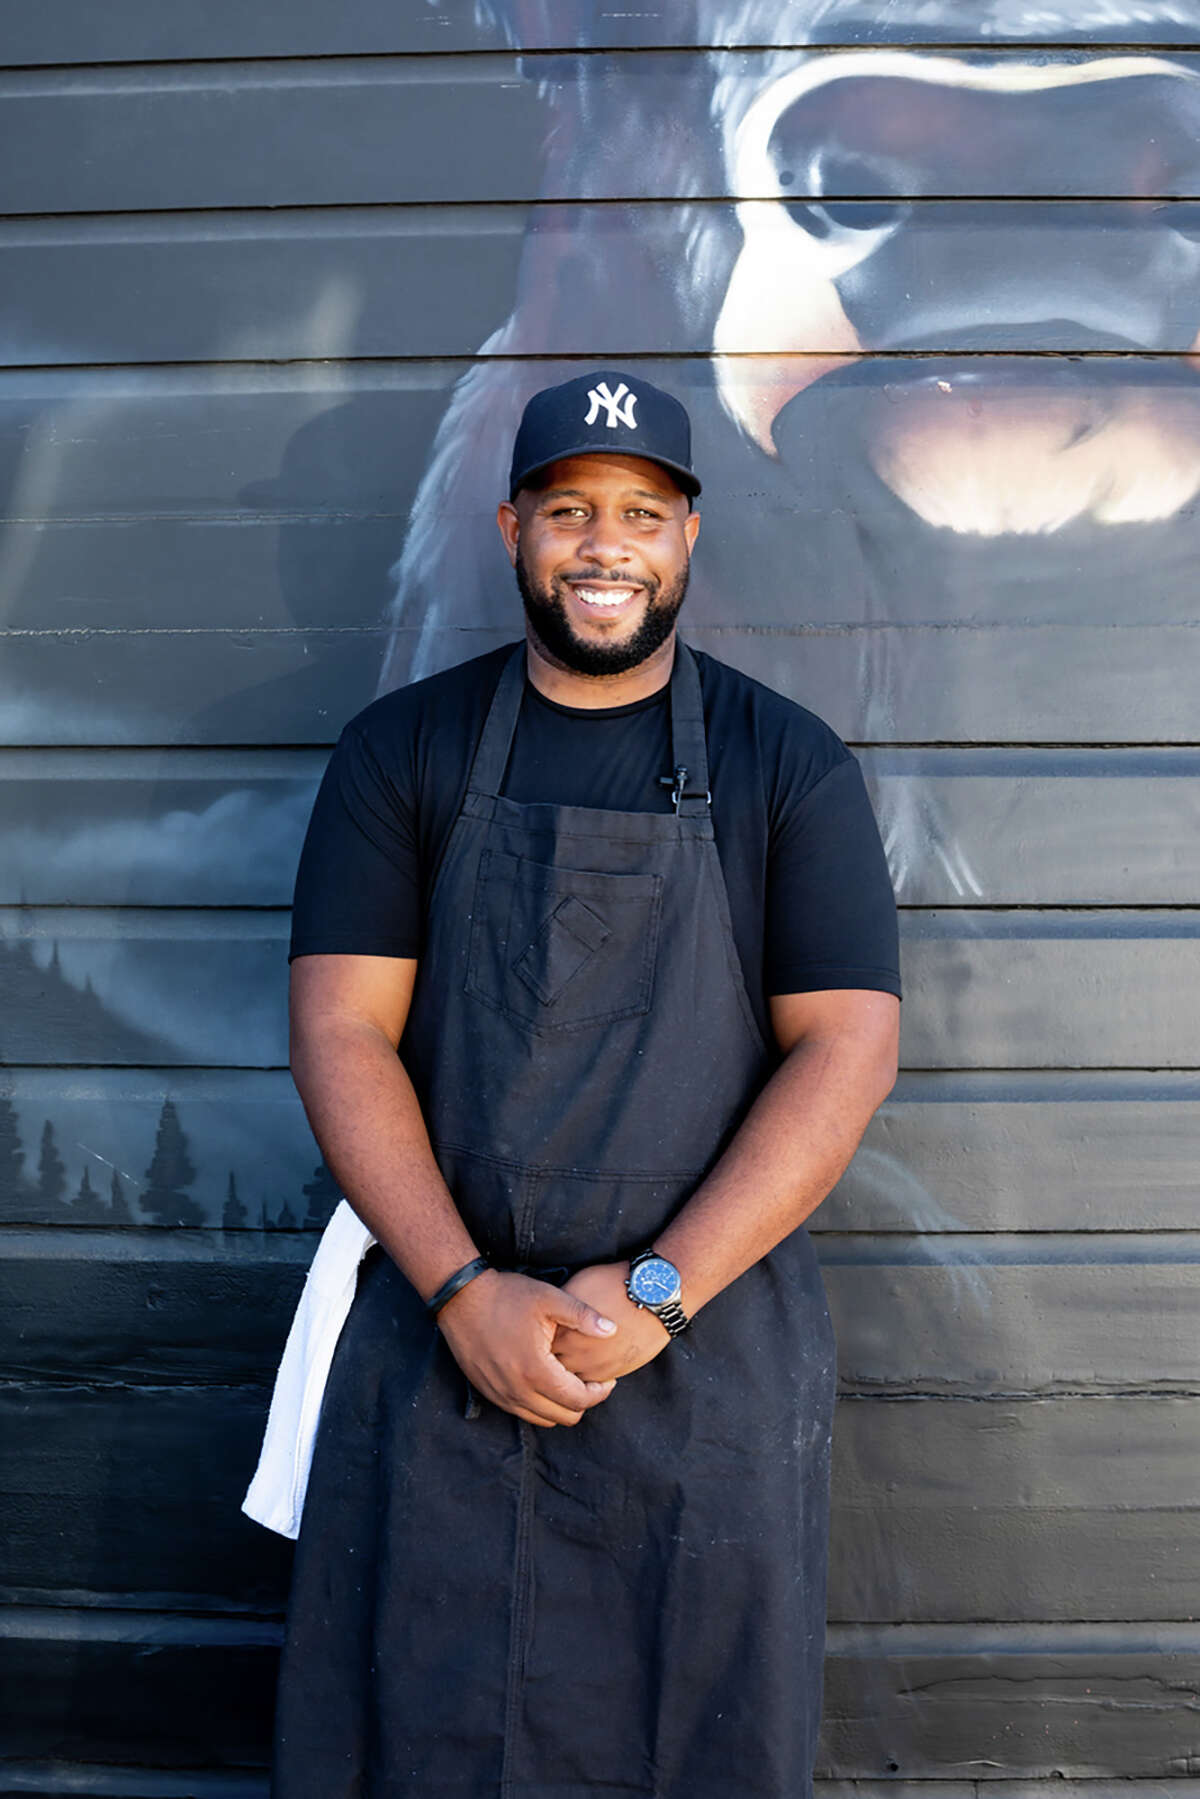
(594, 580)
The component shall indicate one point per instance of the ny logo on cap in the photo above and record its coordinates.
(615, 413)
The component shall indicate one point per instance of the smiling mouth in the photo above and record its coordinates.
(609, 598)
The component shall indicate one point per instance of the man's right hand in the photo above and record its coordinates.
(500, 1328)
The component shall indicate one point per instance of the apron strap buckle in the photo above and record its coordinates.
(679, 789)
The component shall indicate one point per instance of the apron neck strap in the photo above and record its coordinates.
(689, 753)
(491, 758)
(689, 749)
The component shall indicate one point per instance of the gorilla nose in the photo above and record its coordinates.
(1006, 277)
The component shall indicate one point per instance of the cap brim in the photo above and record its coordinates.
(683, 476)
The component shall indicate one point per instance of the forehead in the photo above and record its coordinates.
(608, 475)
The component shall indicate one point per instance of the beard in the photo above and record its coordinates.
(546, 610)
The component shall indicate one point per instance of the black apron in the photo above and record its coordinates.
(636, 1605)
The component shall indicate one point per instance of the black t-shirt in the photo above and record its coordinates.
(809, 893)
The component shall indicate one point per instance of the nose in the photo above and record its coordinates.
(604, 542)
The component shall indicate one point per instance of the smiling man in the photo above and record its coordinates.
(594, 991)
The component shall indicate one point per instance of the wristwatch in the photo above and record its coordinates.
(654, 1285)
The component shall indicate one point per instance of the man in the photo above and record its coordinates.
(624, 915)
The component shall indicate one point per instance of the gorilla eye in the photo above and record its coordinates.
(820, 218)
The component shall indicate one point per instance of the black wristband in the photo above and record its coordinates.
(455, 1284)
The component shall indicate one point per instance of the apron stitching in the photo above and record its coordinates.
(733, 960)
(523, 1235)
(522, 1579)
(570, 1170)
(666, 818)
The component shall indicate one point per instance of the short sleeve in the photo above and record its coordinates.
(358, 886)
(830, 912)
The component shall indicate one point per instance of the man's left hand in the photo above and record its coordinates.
(639, 1338)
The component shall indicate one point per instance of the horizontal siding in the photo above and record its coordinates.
(1039, 1152)
(137, 1689)
(1073, 1702)
(139, 29)
(1037, 827)
(980, 827)
(202, 562)
(987, 989)
(412, 129)
(331, 571)
(955, 1316)
(950, 1509)
(317, 282)
(898, 684)
(63, 1780)
(58, 1780)
(947, 1154)
(249, 443)
(247, 1124)
(157, 828)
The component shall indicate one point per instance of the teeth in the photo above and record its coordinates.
(593, 596)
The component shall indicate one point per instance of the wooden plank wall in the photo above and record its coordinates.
(928, 276)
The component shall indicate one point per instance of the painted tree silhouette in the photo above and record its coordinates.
(52, 1174)
(170, 1171)
(12, 1157)
(87, 1206)
(235, 1216)
(286, 1219)
(118, 1205)
(322, 1194)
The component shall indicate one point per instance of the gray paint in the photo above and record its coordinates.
(1011, 1510)
(987, 989)
(409, 129)
(139, 29)
(308, 282)
(1078, 1709)
(950, 1316)
(169, 827)
(949, 1154)
(895, 684)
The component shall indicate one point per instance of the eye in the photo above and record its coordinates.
(832, 174)
(821, 218)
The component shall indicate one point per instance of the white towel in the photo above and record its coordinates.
(275, 1496)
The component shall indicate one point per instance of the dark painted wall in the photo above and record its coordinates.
(928, 276)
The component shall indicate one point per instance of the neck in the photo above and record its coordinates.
(591, 692)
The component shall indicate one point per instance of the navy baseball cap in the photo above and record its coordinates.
(604, 414)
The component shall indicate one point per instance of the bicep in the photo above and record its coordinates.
(333, 990)
(858, 1014)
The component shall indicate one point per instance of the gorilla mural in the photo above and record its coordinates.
(1024, 455)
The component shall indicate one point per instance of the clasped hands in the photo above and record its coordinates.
(549, 1354)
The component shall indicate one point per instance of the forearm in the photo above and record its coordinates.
(348, 1015)
(368, 1123)
(793, 1146)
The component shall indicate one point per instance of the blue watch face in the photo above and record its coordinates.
(656, 1282)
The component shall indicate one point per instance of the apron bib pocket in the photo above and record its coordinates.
(578, 948)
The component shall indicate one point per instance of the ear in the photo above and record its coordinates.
(691, 529)
(510, 528)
